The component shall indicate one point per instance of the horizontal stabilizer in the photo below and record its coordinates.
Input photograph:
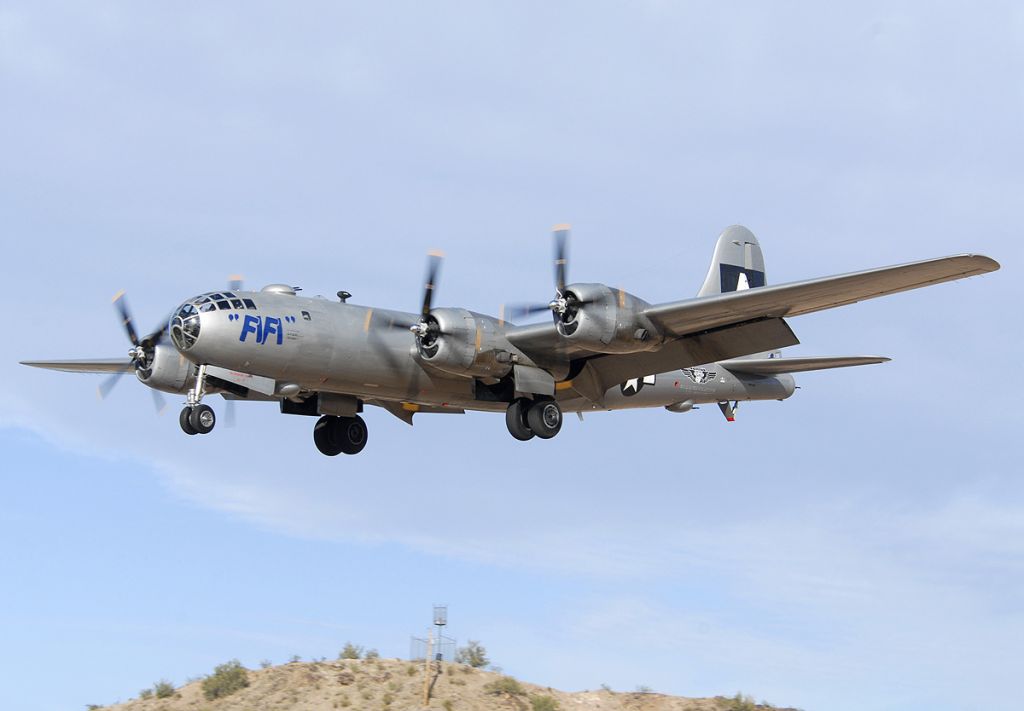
(776, 366)
(102, 365)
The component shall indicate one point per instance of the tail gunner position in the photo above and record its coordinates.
(604, 349)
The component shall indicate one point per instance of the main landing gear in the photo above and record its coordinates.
(339, 435)
(197, 418)
(527, 419)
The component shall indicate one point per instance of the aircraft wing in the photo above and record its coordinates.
(695, 315)
(776, 366)
(102, 365)
(544, 342)
(726, 326)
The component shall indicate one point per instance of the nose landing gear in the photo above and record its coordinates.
(527, 419)
(197, 418)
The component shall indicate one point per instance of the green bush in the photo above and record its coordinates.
(739, 702)
(351, 651)
(473, 654)
(371, 654)
(544, 703)
(226, 679)
(146, 694)
(505, 685)
(163, 689)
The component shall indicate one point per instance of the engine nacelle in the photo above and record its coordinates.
(166, 369)
(605, 320)
(466, 343)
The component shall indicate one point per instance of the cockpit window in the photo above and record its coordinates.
(305, 315)
(236, 303)
(249, 303)
(185, 326)
(215, 297)
(223, 305)
(207, 307)
(228, 295)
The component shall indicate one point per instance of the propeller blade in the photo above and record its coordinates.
(561, 233)
(515, 311)
(229, 413)
(403, 324)
(158, 334)
(121, 304)
(107, 384)
(235, 282)
(159, 401)
(433, 271)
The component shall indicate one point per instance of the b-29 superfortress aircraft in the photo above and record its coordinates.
(605, 349)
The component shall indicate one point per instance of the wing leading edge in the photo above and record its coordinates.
(101, 365)
(680, 318)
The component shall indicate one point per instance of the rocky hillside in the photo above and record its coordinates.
(392, 685)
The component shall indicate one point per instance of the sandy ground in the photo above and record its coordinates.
(392, 685)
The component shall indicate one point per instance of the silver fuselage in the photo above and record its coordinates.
(316, 345)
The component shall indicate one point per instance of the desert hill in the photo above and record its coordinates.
(393, 685)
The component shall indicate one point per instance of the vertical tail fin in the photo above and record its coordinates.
(738, 263)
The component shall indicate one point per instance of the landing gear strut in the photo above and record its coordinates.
(339, 435)
(197, 418)
(527, 419)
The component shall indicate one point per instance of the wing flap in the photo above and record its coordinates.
(794, 299)
(777, 366)
(101, 365)
(405, 410)
(602, 372)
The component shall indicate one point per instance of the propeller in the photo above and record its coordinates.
(427, 330)
(425, 326)
(141, 353)
(235, 282)
(565, 304)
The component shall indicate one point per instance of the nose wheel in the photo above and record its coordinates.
(199, 419)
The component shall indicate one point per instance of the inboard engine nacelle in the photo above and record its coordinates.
(465, 343)
(605, 320)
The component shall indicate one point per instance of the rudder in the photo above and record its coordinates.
(737, 263)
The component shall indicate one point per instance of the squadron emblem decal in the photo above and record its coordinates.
(699, 375)
(634, 385)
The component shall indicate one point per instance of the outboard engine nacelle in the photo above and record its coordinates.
(605, 320)
(166, 369)
(461, 342)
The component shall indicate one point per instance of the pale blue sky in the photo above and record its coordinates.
(860, 546)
